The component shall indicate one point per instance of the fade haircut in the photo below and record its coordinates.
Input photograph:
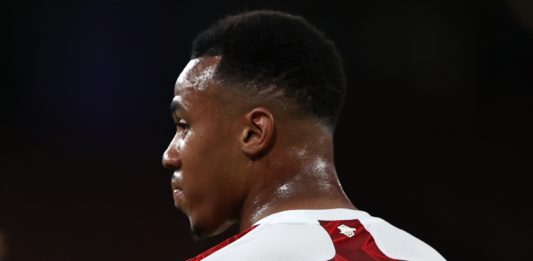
(265, 49)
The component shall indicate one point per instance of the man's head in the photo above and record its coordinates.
(265, 51)
(251, 76)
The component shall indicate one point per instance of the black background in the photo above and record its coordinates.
(435, 136)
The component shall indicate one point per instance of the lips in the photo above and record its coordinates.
(175, 186)
(177, 191)
(176, 194)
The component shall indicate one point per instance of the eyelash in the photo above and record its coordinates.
(181, 124)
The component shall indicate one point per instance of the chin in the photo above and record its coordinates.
(201, 230)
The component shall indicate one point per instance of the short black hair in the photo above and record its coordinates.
(271, 48)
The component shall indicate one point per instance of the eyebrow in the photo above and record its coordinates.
(176, 106)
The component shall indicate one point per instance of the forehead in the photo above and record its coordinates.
(196, 91)
(197, 75)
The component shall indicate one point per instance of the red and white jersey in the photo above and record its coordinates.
(329, 234)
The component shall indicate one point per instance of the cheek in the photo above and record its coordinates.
(209, 167)
(210, 158)
(198, 164)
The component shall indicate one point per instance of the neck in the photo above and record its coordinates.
(301, 177)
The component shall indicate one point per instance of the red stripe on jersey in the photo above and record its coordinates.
(361, 246)
(220, 245)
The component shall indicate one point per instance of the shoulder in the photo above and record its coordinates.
(397, 243)
(335, 234)
(280, 241)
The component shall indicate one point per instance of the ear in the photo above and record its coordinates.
(258, 131)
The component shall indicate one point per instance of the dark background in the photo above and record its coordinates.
(435, 136)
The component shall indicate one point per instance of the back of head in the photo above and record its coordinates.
(279, 53)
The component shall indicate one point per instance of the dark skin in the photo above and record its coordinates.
(239, 157)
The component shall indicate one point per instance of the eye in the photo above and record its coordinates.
(182, 124)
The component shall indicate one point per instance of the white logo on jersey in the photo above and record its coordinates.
(346, 230)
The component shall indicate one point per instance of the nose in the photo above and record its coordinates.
(171, 157)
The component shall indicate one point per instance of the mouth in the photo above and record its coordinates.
(177, 194)
(177, 190)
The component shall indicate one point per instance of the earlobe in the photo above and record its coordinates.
(257, 134)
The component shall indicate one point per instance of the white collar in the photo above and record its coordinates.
(312, 216)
